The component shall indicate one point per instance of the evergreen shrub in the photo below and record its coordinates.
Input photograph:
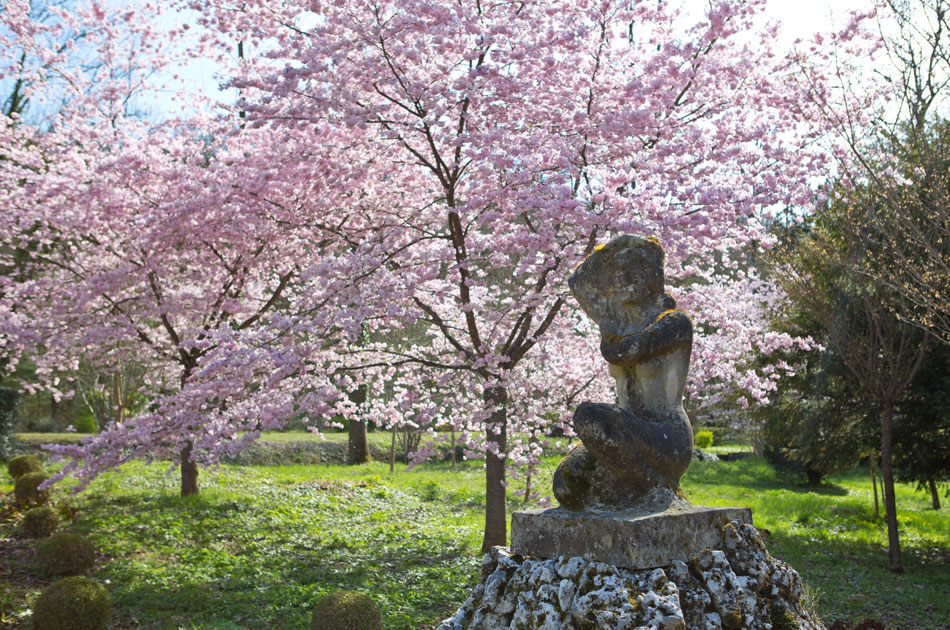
(85, 423)
(346, 610)
(704, 439)
(23, 464)
(40, 522)
(27, 492)
(65, 554)
(73, 603)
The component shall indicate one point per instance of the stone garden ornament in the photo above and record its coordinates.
(626, 550)
(644, 441)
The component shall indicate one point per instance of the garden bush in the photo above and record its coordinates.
(40, 522)
(85, 423)
(27, 490)
(704, 439)
(346, 610)
(23, 464)
(65, 554)
(73, 603)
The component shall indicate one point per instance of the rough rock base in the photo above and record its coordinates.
(737, 587)
(647, 535)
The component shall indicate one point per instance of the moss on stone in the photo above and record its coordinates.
(782, 619)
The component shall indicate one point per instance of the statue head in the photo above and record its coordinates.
(624, 274)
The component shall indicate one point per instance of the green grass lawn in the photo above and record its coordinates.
(263, 543)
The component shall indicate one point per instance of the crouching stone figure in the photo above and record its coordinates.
(645, 440)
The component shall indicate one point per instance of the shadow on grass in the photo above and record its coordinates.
(851, 581)
(263, 561)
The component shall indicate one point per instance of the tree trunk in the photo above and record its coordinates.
(189, 472)
(496, 432)
(880, 485)
(453, 448)
(392, 452)
(358, 448)
(117, 398)
(189, 467)
(877, 510)
(358, 451)
(890, 503)
(934, 495)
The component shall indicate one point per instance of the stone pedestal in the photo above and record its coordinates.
(634, 538)
(736, 585)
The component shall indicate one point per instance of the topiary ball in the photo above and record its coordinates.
(40, 522)
(65, 554)
(73, 603)
(27, 492)
(23, 464)
(346, 610)
(704, 439)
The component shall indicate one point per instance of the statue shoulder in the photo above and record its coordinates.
(675, 321)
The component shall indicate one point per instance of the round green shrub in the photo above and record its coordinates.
(40, 522)
(704, 439)
(85, 423)
(27, 491)
(346, 610)
(73, 603)
(65, 554)
(24, 464)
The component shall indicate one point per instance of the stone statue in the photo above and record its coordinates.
(645, 441)
(626, 549)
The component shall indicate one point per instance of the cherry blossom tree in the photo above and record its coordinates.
(495, 144)
(168, 245)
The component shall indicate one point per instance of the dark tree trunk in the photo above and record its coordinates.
(934, 495)
(814, 477)
(877, 510)
(890, 503)
(358, 451)
(392, 452)
(496, 432)
(880, 486)
(453, 448)
(189, 467)
(189, 472)
(358, 448)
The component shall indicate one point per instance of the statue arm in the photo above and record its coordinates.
(671, 330)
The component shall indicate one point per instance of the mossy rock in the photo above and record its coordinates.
(27, 491)
(24, 464)
(65, 554)
(346, 610)
(73, 603)
(40, 522)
